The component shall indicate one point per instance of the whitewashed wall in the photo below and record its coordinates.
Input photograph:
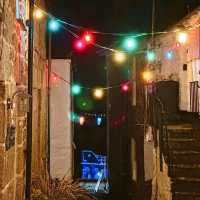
(188, 53)
(60, 140)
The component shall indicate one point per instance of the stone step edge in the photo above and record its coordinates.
(187, 193)
(184, 166)
(180, 140)
(181, 152)
(186, 179)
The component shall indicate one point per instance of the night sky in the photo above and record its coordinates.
(116, 16)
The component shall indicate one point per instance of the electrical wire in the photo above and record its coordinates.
(92, 88)
(112, 33)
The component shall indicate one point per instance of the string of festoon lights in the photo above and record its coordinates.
(98, 92)
(129, 44)
(91, 118)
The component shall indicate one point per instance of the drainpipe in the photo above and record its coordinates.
(30, 92)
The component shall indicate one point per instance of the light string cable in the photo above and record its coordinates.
(115, 34)
(91, 88)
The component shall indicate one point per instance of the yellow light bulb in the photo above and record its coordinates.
(147, 76)
(119, 57)
(38, 13)
(98, 93)
(182, 37)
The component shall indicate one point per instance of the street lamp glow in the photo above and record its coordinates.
(38, 13)
(54, 25)
(98, 93)
(182, 37)
(119, 57)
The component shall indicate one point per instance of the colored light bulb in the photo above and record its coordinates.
(119, 57)
(125, 87)
(79, 45)
(98, 93)
(38, 13)
(169, 55)
(151, 56)
(81, 120)
(88, 38)
(76, 89)
(130, 44)
(147, 76)
(182, 37)
(178, 45)
(54, 25)
(99, 121)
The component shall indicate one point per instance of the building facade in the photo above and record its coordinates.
(13, 99)
(173, 106)
(181, 61)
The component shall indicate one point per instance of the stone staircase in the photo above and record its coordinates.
(182, 155)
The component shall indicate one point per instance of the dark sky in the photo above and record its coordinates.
(117, 15)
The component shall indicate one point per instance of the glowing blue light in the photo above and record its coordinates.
(53, 25)
(93, 166)
(169, 55)
(99, 121)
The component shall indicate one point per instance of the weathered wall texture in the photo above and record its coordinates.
(188, 53)
(13, 78)
(61, 137)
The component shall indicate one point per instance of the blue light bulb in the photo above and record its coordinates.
(169, 55)
(53, 25)
(99, 121)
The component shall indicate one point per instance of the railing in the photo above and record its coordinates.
(157, 117)
(194, 96)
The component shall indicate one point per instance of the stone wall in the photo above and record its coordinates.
(13, 84)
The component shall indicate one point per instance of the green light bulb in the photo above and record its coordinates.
(130, 44)
(151, 56)
(76, 89)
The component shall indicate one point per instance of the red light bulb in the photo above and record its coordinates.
(178, 45)
(54, 78)
(125, 87)
(88, 38)
(79, 45)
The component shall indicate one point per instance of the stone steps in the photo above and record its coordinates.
(186, 196)
(183, 145)
(184, 157)
(184, 171)
(182, 153)
(185, 186)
